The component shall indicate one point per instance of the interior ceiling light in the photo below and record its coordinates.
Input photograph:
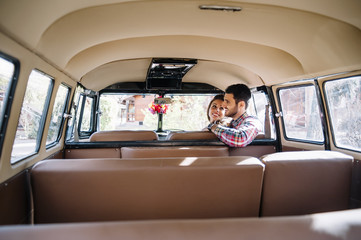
(220, 8)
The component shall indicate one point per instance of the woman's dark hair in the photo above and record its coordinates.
(240, 93)
(217, 97)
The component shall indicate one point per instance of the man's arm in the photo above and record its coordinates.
(240, 137)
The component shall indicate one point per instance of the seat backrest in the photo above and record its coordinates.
(185, 151)
(135, 189)
(123, 135)
(252, 150)
(91, 153)
(192, 135)
(305, 182)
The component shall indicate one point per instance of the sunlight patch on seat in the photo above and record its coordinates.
(247, 161)
(188, 161)
(337, 224)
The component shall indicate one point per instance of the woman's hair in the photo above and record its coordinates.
(217, 97)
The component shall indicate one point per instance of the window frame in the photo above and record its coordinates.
(70, 133)
(272, 119)
(60, 131)
(84, 96)
(42, 119)
(331, 128)
(10, 97)
(320, 143)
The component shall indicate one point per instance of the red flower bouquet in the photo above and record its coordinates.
(158, 108)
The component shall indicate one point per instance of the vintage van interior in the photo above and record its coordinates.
(104, 105)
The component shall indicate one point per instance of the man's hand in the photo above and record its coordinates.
(212, 126)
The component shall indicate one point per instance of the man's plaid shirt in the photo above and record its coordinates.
(241, 131)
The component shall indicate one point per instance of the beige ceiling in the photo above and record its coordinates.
(101, 42)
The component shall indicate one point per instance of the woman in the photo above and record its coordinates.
(215, 110)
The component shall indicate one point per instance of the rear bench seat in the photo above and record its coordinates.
(305, 182)
(294, 183)
(134, 189)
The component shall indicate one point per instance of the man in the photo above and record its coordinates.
(243, 128)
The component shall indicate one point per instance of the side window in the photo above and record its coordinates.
(87, 116)
(8, 76)
(301, 114)
(82, 119)
(73, 121)
(343, 98)
(7, 70)
(57, 116)
(32, 116)
(259, 106)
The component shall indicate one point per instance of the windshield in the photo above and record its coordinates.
(183, 112)
(126, 112)
(187, 112)
(134, 112)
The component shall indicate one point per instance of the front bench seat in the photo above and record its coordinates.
(123, 135)
(192, 135)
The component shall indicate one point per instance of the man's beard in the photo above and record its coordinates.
(231, 112)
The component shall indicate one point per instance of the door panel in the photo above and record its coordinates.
(14, 200)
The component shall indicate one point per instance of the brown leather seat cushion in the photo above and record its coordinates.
(305, 182)
(134, 189)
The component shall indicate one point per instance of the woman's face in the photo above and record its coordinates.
(216, 111)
